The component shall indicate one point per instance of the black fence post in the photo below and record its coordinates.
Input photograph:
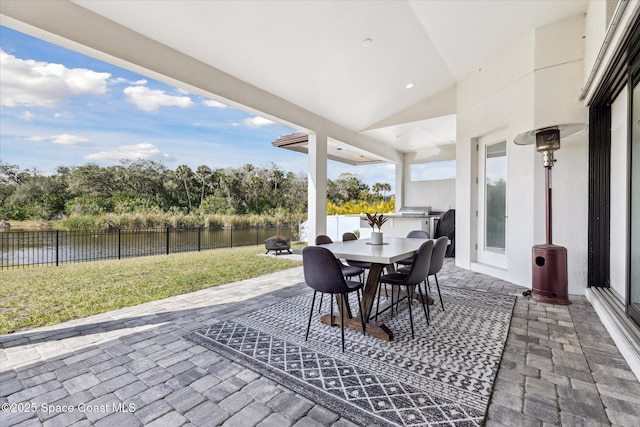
(231, 239)
(119, 244)
(257, 235)
(57, 245)
(167, 240)
(199, 237)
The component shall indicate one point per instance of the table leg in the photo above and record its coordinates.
(368, 298)
(378, 330)
(347, 307)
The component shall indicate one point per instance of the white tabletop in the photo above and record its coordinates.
(393, 249)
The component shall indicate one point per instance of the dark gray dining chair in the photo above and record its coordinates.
(348, 271)
(347, 237)
(437, 261)
(323, 274)
(417, 274)
(414, 234)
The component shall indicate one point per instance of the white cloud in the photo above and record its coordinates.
(212, 103)
(150, 100)
(145, 151)
(27, 116)
(44, 84)
(66, 139)
(119, 80)
(257, 121)
(37, 138)
(62, 139)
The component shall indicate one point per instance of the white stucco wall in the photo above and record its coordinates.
(439, 194)
(536, 82)
(595, 31)
(619, 188)
(498, 96)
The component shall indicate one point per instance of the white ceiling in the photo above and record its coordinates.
(311, 53)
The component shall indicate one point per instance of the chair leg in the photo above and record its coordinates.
(361, 313)
(313, 301)
(423, 300)
(426, 280)
(378, 301)
(426, 301)
(321, 299)
(439, 294)
(342, 319)
(331, 301)
(410, 294)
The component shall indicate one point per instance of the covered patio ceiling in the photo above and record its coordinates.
(339, 66)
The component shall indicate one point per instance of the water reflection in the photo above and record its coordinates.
(54, 247)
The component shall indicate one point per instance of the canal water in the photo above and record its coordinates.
(55, 247)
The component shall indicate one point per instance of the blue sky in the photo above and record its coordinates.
(62, 108)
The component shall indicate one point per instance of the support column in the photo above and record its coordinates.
(399, 183)
(317, 191)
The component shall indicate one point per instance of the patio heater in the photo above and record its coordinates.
(549, 284)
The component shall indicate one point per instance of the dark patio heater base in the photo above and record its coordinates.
(550, 283)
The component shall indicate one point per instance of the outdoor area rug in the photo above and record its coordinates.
(444, 376)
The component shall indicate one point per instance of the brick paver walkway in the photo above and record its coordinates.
(133, 367)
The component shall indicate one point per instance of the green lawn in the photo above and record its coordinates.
(38, 296)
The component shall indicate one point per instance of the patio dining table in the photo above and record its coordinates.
(380, 256)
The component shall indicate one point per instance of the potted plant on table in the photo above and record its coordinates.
(374, 221)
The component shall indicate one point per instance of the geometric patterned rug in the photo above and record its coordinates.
(443, 376)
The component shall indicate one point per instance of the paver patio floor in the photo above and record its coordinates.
(133, 367)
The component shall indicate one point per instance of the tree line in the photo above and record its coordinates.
(148, 186)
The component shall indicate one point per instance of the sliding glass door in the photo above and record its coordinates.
(633, 307)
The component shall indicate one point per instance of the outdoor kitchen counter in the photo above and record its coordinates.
(400, 225)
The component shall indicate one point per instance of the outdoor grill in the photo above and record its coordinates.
(414, 211)
(549, 281)
(277, 244)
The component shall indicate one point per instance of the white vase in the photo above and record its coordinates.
(376, 238)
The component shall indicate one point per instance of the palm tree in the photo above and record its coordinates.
(382, 187)
(226, 181)
(255, 184)
(204, 174)
(184, 173)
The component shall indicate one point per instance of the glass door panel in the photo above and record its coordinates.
(492, 215)
(496, 197)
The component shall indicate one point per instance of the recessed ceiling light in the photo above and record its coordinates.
(409, 85)
(367, 42)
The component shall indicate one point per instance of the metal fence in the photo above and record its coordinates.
(55, 247)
